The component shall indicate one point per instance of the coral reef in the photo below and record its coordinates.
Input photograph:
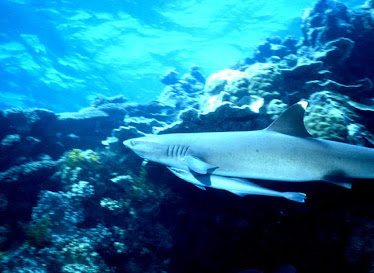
(330, 116)
(263, 79)
(37, 232)
(80, 256)
(258, 79)
(185, 92)
(275, 108)
(274, 49)
(74, 199)
(77, 158)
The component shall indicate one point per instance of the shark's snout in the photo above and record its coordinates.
(143, 146)
(137, 146)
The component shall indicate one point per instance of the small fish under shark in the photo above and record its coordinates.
(284, 151)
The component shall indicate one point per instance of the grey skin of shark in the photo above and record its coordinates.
(284, 151)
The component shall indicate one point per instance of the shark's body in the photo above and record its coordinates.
(284, 151)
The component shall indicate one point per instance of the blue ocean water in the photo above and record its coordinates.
(60, 54)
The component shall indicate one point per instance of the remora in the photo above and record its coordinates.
(284, 151)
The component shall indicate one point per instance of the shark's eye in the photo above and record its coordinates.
(132, 142)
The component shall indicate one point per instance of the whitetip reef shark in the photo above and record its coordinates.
(284, 151)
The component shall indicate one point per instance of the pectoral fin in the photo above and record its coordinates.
(197, 165)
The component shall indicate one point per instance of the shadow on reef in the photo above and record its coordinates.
(74, 199)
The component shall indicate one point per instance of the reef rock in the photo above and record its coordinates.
(274, 49)
(185, 92)
(330, 20)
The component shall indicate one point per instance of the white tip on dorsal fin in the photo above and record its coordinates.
(291, 121)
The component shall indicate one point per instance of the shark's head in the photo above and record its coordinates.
(164, 149)
(146, 147)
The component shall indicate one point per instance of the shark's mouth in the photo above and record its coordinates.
(177, 171)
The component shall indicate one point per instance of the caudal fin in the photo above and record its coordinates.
(295, 196)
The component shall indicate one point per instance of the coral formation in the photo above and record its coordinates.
(77, 158)
(79, 256)
(275, 108)
(184, 92)
(112, 205)
(264, 80)
(329, 116)
(226, 79)
(37, 232)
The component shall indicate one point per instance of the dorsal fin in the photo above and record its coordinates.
(291, 121)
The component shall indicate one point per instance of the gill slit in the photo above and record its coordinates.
(177, 150)
(172, 150)
(184, 152)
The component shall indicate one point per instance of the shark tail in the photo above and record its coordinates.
(295, 196)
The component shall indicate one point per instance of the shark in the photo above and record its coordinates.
(283, 152)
